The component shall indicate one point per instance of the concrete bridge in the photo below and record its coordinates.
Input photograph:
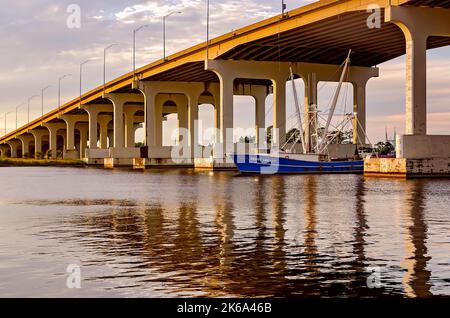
(255, 60)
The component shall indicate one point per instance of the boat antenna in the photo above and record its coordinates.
(335, 100)
(299, 115)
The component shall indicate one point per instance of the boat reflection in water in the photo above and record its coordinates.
(214, 234)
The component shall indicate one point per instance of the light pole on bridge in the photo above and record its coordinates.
(207, 30)
(81, 77)
(104, 64)
(42, 99)
(6, 114)
(29, 101)
(164, 29)
(17, 109)
(134, 46)
(59, 90)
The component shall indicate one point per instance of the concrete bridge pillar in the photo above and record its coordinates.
(214, 89)
(93, 117)
(151, 90)
(110, 134)
(14, 144)
(416, 35)
(83, 130)
(158, 121)
(193, 95)
(96, 113)
(38, 137)
(183, 114)
(118, 100)
(228, 71)
(130, 112)
(3, 150)
(359, 110)
(418, 154)
(53, 137)
(149, 109)
(260, 96)
(279, 111)
(70, 152)
(26, 141)
(103, 122)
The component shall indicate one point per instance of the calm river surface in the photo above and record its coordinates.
(180, 233)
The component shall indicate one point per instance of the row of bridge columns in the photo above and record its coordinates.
(118, 112)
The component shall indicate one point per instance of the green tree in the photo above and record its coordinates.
(384, 148)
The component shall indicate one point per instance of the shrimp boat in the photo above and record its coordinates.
(322, 159)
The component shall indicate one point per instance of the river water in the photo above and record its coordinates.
(203, 234)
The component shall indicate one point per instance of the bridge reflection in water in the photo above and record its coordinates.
(220, 235)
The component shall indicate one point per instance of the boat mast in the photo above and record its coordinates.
(299, 115)
(334, 103)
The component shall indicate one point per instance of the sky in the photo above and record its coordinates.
(37, 47)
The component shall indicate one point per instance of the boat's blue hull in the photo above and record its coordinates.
(265, 164)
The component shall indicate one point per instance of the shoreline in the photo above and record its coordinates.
(21, 162)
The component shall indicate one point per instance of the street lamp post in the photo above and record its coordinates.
(81, 77)
(6, 114)
(134, 46)
(17, 108)
(29, 101)
(207, 30)
(42, 99)
(104, 64)
(59, 89)
(164, 29)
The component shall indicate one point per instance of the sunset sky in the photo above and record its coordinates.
(37, 47)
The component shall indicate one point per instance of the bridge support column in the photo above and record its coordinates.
(259, 93)
(119, 155)
(158, 122)
(183, 116)
(110, 134)
(38, 138)
(53, 137)
(228, 71)
(359, 110)
(103, 123)
(130, 112)
(95, 111)
(119, 101)
(70, 152)
(3, 150)
(193, 96)
(418, 154)
(83, 130)
(152, 91)
(14, 144)
(26, 141)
